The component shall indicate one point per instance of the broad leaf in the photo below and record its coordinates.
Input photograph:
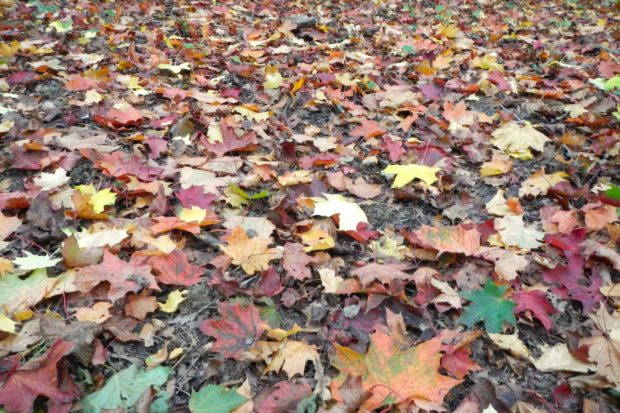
(215, 399)
(489, 306)
(123, 389)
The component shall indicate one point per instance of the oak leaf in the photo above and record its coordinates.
(394, 376)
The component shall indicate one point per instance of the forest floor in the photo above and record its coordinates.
(331, 206)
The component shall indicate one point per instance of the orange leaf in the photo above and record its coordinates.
(394, 376)
(459, 239)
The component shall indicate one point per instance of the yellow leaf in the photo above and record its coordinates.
(23, 315)
(176, 69)
(517, 140)
(407, 173)
(6, 324)
(9, 49)
(299, 84)
(292, 356)
(176, 352)
(496, 166)
(350, 214)
(193, 214)
(273, 78)
(172, 302)
(280, 334)
(98, 199)
(252, 254)
(511, 343)
(539, 182)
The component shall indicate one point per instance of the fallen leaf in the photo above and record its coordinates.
(215, 399)
(488, 305)
(124, 388)
(172, 302)
(539, 183)
(273, 78)
(517, 140)
(174, 269)
(252, 254)
(513, 232)
(349, 213)
(558, 358)
(33, 262)
(459, 239)
(39, 377)
(18, 294)
(511, 343)
(537, 303)
(49, 182)
(98, 313)
(407, 173)
(237, 331)
(384, 273)
(123, 277)
(394, 375)
(291, 357)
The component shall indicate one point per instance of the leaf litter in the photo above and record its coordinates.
(312, 207)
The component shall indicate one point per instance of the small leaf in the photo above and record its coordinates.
(349, 213)
(172, 302)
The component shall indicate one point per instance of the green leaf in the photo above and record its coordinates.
(215, 399)
(611, 84)
(613, 192)
(125, 388)
(489, 306)
(250, 197)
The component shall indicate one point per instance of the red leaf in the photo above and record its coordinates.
(115, 118)
(231, 142)
(394, 148)
(385, 273)
(174, 269)
(237, 331)
(269, 283)
(80, 83)
(295, 261)
(537, 303)
(368, 129)
(22, 385)
(459, 363)
(282, 398)
(123, 277)
(194, 196)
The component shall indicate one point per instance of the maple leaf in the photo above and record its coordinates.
(237, 331)
(295, 261)
(407, 173)
(33, 262)
(215, 399)
(349, 213)
(48, 182)
(98, 200)
(17, 294)
(385, 273)
(604, 349)
(513, 232)
(123, 389)
(394, 376)
(174, 269)
(598, 215)
(489, 306)
(291, 357)
(539, 183)
(517, 140)
(368, 129)
(459, 239)
(23, 384)
(537, 303)
(496, 166)
(273, 78)
(123, 277)
(252, 254)
(283, 397)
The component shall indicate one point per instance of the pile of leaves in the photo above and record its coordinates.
(285, 206)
